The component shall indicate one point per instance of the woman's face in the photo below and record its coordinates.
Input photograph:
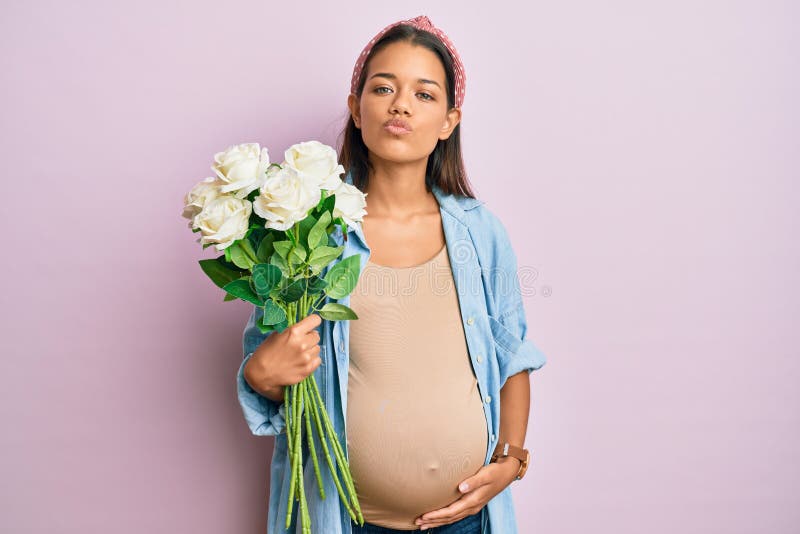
(405, 82)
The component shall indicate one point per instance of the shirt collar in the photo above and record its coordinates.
(455, 205)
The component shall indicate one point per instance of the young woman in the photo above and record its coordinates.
(414, 386)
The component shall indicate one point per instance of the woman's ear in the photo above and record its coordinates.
(452, 119)
(355, 110)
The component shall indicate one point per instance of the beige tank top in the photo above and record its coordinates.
(415, 421)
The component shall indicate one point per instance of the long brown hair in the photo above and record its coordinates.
(445, 166)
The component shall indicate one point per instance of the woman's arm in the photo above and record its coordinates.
(274, 393)
(515, 403)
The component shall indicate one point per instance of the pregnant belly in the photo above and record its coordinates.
(408, 455)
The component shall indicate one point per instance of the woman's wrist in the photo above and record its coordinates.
(274, 393)
(511, 464)
(259, 382)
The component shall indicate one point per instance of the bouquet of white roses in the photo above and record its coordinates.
(274, 223)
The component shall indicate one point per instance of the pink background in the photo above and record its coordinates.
(644, 157)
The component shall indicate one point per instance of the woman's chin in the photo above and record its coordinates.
(397, 150)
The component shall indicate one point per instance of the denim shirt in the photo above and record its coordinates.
(484, 268)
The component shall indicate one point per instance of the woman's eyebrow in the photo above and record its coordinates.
(393, 77)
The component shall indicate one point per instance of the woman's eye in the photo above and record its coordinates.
(427, 96)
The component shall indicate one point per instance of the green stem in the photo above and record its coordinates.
(305, 518)
(318, 420)
(338, 452)
(288, 414)
(307, 416)
(292, 458)
(316, 302)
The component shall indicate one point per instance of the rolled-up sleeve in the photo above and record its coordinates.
(264, 416)
(515, 352)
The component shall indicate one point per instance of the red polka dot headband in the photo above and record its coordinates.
(424, 23)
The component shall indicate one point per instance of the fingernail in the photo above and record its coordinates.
(464, 486)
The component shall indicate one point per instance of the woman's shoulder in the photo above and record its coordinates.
(485, 225)
(484, 222)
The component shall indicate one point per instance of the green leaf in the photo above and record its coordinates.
(322, 197)
(247, 247)
(265, 248)
(297, 256)
(334, 223)
(228, 297)
(280, 262)
(304, 227)
(283, 247)
(239, 257)
(255, 234)
(273, 314)
(318, 235)
(264, 329)
(316, 285)
(322, 256)
(329, 203)
(219, 272)
(342, 277)
(241, 289)
(265, 277)
(333, 311)
(281, 326)
(294, 291)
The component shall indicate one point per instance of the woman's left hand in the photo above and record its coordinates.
(480, 489)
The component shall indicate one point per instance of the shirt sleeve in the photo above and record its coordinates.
(515, 352)
(264, 416)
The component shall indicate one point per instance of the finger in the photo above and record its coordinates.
(312, 355)
(443, 522)
(475, 481)
(313, 364)
(306, 325)
(308, 343)
(314, 336)
(446, 512)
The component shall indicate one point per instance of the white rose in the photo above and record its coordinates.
(201, 194)
(224, 220)
(350, 203)
(315, 161)
(286, 198)
(242, 168)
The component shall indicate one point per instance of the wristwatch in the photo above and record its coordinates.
(506, 449)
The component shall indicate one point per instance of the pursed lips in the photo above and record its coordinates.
(397, 126)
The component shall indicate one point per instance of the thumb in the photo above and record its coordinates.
(308, 323)
(468, 484)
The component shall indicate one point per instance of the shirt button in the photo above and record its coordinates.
(470, 320)
(492, 437)
(341, 346)
(488, 399)
(479, 358)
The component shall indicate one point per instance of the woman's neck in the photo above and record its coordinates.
(400, 192)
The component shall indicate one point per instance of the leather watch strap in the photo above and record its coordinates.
(507, 449)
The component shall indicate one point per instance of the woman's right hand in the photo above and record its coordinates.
(285, 358)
